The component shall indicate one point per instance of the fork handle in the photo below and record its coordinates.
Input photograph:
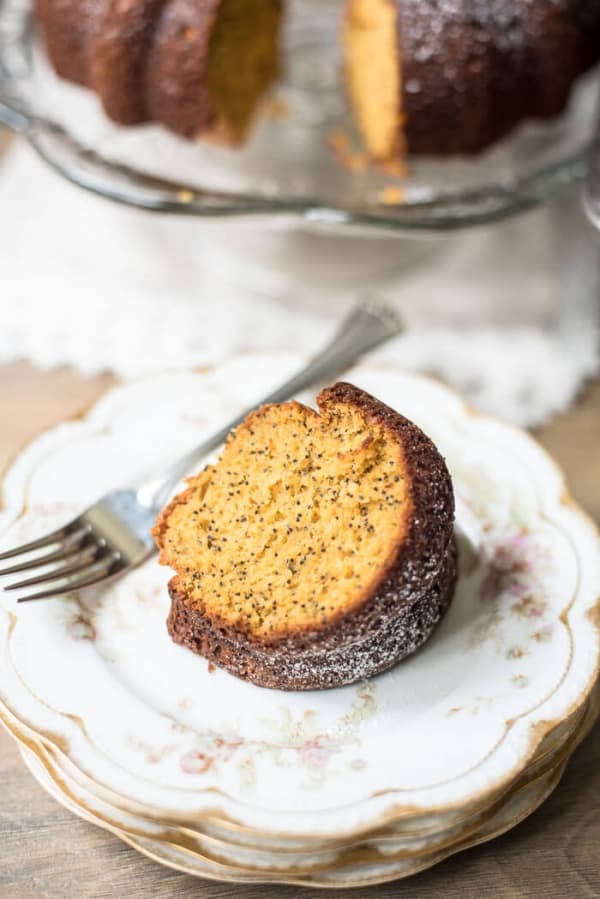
(369, 325)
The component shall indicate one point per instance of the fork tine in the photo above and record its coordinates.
(41, 542)
(96, 574)
(76, 562)
(72, 541)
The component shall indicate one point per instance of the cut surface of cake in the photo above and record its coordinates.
(199, 67)
(452, 77)
(318, 550)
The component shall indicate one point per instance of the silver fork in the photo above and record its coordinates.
(113, 535)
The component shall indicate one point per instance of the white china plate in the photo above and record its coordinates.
(247, 853)
(282, 863)
(148, 722)
(337, 870)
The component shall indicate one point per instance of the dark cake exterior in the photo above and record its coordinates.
(473, 69)
(355, 649)
(148, 60)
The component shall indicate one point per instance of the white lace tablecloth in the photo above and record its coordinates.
(97, 286)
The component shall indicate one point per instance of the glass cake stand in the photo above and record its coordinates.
(296, 218)
(291, 169)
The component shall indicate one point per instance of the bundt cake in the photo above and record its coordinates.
(441, 77)
(199, 67)
(319, 549)
(424, 76)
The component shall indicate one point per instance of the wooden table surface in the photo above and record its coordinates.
(47, 852)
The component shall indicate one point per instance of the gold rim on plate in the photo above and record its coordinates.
(358, 857)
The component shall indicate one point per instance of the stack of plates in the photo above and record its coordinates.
(371, 782)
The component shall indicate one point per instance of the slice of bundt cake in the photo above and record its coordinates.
(318, 550)
(200, 67)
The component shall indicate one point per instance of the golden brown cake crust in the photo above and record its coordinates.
(396, 616)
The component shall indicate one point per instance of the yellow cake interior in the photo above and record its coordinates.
(243, 61)
(300, 517)
(373, 73)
